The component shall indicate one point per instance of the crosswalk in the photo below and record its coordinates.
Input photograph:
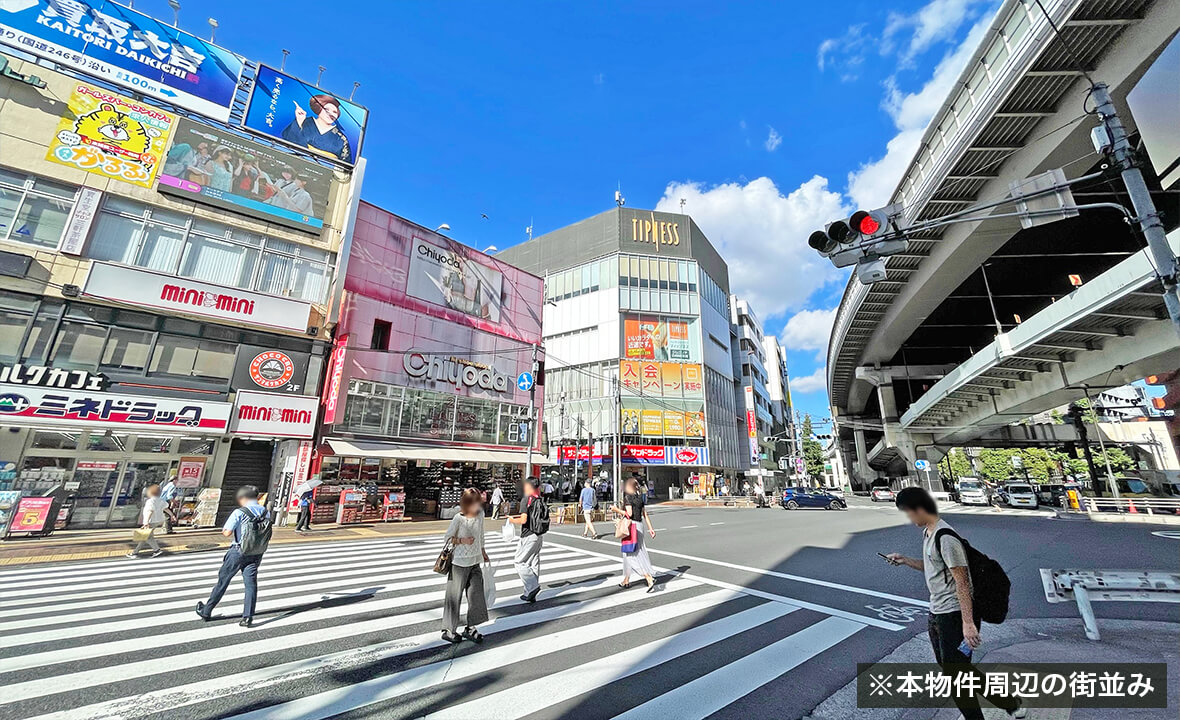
(352, 629)
(957, 509)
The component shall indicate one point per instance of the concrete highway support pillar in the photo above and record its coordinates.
(864, 473)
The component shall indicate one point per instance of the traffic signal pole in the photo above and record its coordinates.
(1147, 216)
(528, 463)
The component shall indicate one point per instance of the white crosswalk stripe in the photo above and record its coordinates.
(343, 626)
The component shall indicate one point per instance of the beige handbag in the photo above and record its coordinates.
(142, 534)
(622, 527)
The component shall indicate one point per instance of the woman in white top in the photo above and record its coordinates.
(467, 531)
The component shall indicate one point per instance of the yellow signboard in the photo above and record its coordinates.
(110, 135)
(694, 424)
(673, 423)
(652, 423)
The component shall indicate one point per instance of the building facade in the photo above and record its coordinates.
(782, 412)
(637, 319)
(163, 306)
(752, 393)
(422, 396)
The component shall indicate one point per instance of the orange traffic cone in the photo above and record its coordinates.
(1131, 507)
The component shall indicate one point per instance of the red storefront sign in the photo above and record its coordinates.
(30, 515)
(335, 373)
(643, 454)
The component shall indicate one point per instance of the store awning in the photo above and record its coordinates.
(359, 448)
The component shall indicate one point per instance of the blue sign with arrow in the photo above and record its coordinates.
(524, 381)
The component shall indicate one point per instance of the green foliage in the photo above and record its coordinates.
(1056, 416)
(813, 451)
(1042, 464)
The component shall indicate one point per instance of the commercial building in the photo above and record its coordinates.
(164, 290)
(422, 394)
(637, 337)
(752, 394)
(782, 412)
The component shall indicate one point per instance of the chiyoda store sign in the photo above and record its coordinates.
(153, 290)
(454, 371)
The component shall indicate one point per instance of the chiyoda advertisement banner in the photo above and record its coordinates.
(110, 135)
(446, 277)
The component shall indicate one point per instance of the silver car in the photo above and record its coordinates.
(1021, 495)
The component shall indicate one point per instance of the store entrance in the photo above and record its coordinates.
(109, 491)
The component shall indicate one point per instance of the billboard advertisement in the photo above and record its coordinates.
(752, 426)
(110, 135)
(651, 423)
(218, 168)
(656, 379)
(661, 455)
(301, 115)
(26, 405)
(443, 277)
(629, 422)
(124, 47)
(651, 338)
(673, 423)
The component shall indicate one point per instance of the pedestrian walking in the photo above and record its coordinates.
(250, 528)
(168, 494)
(305, 500)
(635, 557)
(587, 501)
(497, 502)
(547, 488)
(534, 523)
(954, 620)
(151, 518)
(465, 575)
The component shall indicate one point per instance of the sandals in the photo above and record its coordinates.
(624, 585)
(451, 637)
(651, 587)
(473, 635)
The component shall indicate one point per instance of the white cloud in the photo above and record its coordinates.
(844, 54)
(815, 382)
(773, 140)
(809, 330)
(762, 234)
(872, 184)
(935, 22)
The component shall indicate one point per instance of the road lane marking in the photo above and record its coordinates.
(784, 576)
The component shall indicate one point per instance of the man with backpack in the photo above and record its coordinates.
(250, 526)
(534, 523)
(965, 586)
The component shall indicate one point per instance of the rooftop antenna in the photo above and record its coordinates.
(175, 5)
(619, 199)
(212, 29)
(682, 201)
(317, 77)
(529, 230)
(283, 65)
(355, 85)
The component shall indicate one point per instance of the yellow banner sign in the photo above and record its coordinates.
(110, 135)
(653, 423)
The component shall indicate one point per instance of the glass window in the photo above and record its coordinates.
(78, 345)
(427, 414)
(153, 443)
(585, 278)
(595, 276)
(37, 346)
(196, 446)
(293, 277)
(644, 300)
(1016, 26)
(218, 261)
(475, 420)
(107, 441)
(190, 357)
(161, 246)
(55, 440)
(41, 220)
(995, 55)
(127, 349)
(674, 298)
(115, 238)
(12, 332)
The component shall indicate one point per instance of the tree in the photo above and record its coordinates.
(813, 451)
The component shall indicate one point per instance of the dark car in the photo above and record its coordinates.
(1051, 494)
(795, 498)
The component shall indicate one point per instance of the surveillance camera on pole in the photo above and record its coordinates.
(864, 240)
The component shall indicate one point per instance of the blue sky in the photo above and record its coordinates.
(766, 120)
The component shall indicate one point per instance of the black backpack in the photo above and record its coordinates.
(255, 531)
(990, 585)
(539, 516)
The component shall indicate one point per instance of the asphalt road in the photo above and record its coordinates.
(760, 613)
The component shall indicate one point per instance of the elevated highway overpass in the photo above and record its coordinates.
(977, 325)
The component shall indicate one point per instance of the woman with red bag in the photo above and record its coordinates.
(634, 552)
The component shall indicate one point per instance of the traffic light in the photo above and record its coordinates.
(863, 240)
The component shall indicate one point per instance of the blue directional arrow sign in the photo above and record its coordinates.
(922, 464)
(524, 381)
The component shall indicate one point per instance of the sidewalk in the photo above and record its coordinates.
(1037, 640)
(67, 546)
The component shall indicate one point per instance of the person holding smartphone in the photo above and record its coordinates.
(953, 626)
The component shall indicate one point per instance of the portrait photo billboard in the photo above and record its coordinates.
(301, 115)
(444, 277)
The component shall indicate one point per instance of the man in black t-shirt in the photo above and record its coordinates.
(533, 523)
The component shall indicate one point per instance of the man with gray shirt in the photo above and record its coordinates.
(953, 625)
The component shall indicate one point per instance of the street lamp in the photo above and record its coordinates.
(175, 5)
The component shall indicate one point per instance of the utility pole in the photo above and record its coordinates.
(528, 464)
(1146, 214)
(1114, 487)
(616, 470)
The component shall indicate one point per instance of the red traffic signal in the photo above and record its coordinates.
(864, 223)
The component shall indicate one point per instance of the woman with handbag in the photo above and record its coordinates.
(629, 528)
(464, 540)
